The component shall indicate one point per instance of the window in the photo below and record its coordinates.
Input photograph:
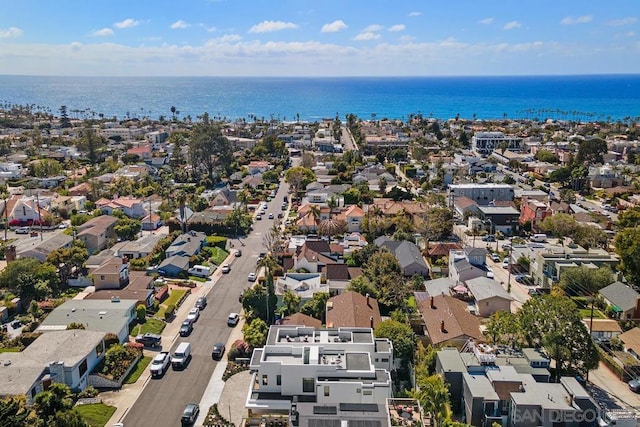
(326, 390)
(308, 385)
(278, 379)
(102, 277)
(83, 367)
(265, 380)
(384, 360)
(367, 392)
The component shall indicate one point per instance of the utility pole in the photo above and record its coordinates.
(39, 214)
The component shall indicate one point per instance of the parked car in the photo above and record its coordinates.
(186, 328)
(489, 238)
(160, 364)
(22, 230)
(201, 303)
(634, 385)
(505, 263)
(258, 217)
(506, 246)
(233, 319)
(218, 351)
(270, 215)
(237, 252)
(149, 339)
(194, 314)
(181, 356)
(225, 268)
(251, 277)
(190, 414)
(495, 258)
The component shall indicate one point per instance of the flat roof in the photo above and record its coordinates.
(358, 361)
(480, 386)
(97, 315)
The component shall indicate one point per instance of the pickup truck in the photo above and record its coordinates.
(149, 339)
(160, 364)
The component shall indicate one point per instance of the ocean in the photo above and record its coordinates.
(595, 97)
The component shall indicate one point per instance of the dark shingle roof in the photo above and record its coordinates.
(620, 295)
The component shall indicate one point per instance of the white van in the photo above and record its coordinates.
(181, 356)
(200, 271)
(539, 238)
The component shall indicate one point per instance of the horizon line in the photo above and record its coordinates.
(330, 77)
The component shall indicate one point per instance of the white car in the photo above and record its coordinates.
(505, 263)
(193, 315)
(270, 215)
(233, 319)
(225, 268)
(251, 277)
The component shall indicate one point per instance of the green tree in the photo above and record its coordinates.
(57, 397)
(127, 228)
(141, 313)
(291, 302)
(589, 236)
(433, 395)
(438, 223)
(590, 151)
(401, 335)
(68, 260)
(209, 149)
(584, 280)
(547, 156)
(503, 328)
(255, 333)
(629, 218)
(69, 418)
(554, 323)
(316, 306)
(47, 167)
(383, 270)
(560, 225)
(254, 302)
(34, 311)
(13, 412)
(299, 177)
(627, 243)
(363, 286)
(30, 279)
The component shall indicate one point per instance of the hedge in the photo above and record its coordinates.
(218, 241)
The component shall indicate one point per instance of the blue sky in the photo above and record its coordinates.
(319, 38)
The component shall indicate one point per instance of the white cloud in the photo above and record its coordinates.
(570, 20)
(511, 25)
(271, 26)
(412, 14)
(397, 27)
(10, 33)
(228, 38)
(373, 28)
(208, 29)
(367, 35)
(105, 32)
(630, 34)
(180, 25)
(334, 27)
(486, 21)
(127, 23)
(406, 38)
(624, 21)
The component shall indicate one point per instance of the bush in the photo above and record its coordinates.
(141, 313)
(27, 338)
(218, 241)
(88, 392)
(239, 348)
(117, 359)
(168, 314)
(110, 340)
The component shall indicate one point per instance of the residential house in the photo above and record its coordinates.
(140, 248)
(173, 266)
(50, 181)
(602, 329)
(23, 210)
(354, 216)
(142, 151)
(187, 244)
(489, 296)
(299, 319)
(631, 341)
(408, 255)
(113, 274)
(112, 316)
(312, 256)
(441, 286)
(464, 206)
(140, 289)
(483, 194)
(467, 264)
(131, 207)
(303, 285)
(534, 212)
(258, 167)
(623, 300)
(446, 320)
(97, 233)
(151, 222)
(69, 203)
(302, 371)
(41, 246)
(65, 356)
(484, 143)
(352, 309)
(82, 189)
(500, 218)
(547, 266)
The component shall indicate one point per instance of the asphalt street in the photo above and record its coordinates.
(163, 400)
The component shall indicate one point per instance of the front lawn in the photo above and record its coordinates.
(197, 279)
(219, 255)
(585, 313)
(138, 370)
(152, 325)
(10, 350)
(95, 414)
(174, 296)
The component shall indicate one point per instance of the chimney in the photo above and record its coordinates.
(442, 326)
(432, 304)
(368, 304)
(371, 322)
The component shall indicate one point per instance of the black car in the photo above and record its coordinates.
(149, 339)
(201, 303)
(218, 351)
(190, 414)
(186, 328)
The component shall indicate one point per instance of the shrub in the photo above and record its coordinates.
(218, 241)
(168, 314)
(110, 340)
(88, 392)
(117, 359)
(239, 349)
(27, 338)
(141, 312)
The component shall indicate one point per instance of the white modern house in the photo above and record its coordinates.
(329, 367)
(484, 143)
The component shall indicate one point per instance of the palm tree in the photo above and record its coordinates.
(315, 212)
(4, 195)
(331, 227)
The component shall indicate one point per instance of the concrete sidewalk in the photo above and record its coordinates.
(126, 397)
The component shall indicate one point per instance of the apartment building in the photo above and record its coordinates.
(484, 143)
(483, 194)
